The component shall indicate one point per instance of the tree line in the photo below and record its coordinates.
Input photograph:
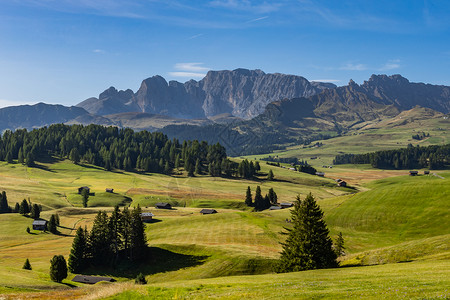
(433, 157)
(259, 202)
(114, 148)
(120, 236)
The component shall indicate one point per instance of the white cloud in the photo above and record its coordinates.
(354, 67)
(325, 80)
(195, 36)
(191, 67)
(187, 74)
(390, 65)
(246, 5)
(99, 51)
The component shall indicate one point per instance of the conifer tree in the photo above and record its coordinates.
(99, 240)
(35, 211)
(77, 257)
(308, 245)
(20, 158)
(24, 208)
(27, 265)
(248, 197)
(17, 207)
(339, 245)
(273, 198)
(198, 167)
(138, 241)
(115, 223)
(74, 155)
(270, 176)
(259, 200)
(51, 226)
(30, 160)
(85, 197)
(3, 203)
(58, 268)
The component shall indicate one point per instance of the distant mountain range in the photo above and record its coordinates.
(271, 107)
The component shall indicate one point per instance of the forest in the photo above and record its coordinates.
(433, 157)
(114, 148)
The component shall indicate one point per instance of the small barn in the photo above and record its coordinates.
(208, 211)
(426, 172)
(80, 189)
(147, 216)
(40, 225)
(109, 190)
(91, 279)
(274, 207)
(342, 183)
(413, 173)
(286, 205)
(321, 174)
(163, 205)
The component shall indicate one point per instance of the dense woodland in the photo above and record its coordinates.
(114, 148)
(432, 157)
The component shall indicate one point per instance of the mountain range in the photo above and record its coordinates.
(270, 107)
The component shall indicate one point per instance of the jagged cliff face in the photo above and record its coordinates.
(242, 93)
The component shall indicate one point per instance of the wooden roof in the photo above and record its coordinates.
(207, 211)
(39, 222)
(91, 279)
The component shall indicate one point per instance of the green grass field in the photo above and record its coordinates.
(393, 218)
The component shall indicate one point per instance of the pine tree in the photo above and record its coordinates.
(259, 200)
(198, 167)
(99, 240)
(17, 207)
(257, 166)
(27, 265)
(58, 268)
(3, 203)
(140, 279)
(30, 160)
(20, 158)
(138, 241)
(74, 155)
(51, 226)
(35, 212)
(85, 197)
(248, 197)
(24, 208)
(56, 218)
(77, 255)
(339, 245)
(308, 245)
(270, 176)
(273, 198)
(266, 202)
(115, 223)
(177, 162)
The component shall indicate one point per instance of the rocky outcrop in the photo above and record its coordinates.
(241, 93)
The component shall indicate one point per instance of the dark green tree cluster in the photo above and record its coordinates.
(120, 236)
(306, 169)
(308, 245)
(27, 207)
(420, 136)
(27, 265)
(433, 157)
(248, 169)
(53, 224)
(113, 148)
(4, 208)
(259, 202)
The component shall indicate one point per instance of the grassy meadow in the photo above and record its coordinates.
(388, 218)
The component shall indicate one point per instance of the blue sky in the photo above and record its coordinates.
(64, 51)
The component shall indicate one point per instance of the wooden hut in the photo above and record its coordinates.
(40, 225)
(208, 211)
(163, 205)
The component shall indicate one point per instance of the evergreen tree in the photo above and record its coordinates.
(273, 198)
(115, 223)
(198, 167)
(259, 200)
(30, 160)
(74, 155)
(100, 247)
(339, 245)
(20, 158)
(3, 203)
(24, 208)
(77, 257)
(35, 211)
(85, 197)
(58, 268)
(248, 197)
(51, 226)
(167, 168)
(308, 245)
(266, 202)
(27, 265)
(257, 166)
(138, 241)
(125, 229)
(270, 176)
(56, 218)
(17, 207)
(177, 162)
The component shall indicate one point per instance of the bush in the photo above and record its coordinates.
(140, 279)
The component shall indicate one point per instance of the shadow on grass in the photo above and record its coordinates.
(156, 260)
